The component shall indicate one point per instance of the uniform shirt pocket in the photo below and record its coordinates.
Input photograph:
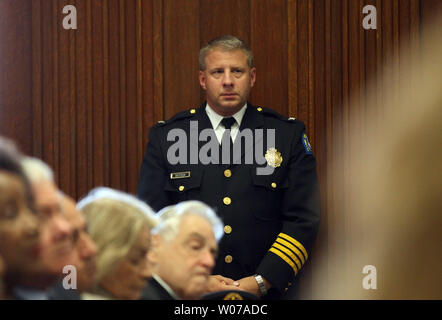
(184, 188)
(268, 193)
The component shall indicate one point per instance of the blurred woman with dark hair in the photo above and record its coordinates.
(19, 227)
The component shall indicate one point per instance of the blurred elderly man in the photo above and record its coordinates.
(184, 248)
(84, 254)
(56, 247)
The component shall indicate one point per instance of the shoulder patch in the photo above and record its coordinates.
(306, 143)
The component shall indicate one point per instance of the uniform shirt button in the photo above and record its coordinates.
(227, 201)
(227, 229)
(227, 173)
(273, 185)
(228, 259)
(181, 188)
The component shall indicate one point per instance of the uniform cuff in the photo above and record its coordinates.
(283, 261)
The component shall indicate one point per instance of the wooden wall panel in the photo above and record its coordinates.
(81, 109)
(268, 41)
(148, 74)
(15, 74)
(96, 85)
(83, 100)
(181, 34)
(235, 20)
(115, 89)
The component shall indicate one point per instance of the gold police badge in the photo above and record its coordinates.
(273, 157)
(233, 296)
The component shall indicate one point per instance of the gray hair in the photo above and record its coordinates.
(170, 218)
(226, 43)
(36, 170)
(115, 220)
(115, 195)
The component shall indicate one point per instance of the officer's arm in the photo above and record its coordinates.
(300, 214)
(153, 173)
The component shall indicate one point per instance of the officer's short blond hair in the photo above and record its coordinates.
(225, 43)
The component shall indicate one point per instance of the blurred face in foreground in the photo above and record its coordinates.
(19, 228)
(2, 271)
(186, 262)
(85, 250)
(56, 236)
(128, 279)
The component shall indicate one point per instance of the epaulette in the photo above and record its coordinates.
(178, 116)
(273, 113)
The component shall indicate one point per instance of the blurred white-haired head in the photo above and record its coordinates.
(115, 222)
(36, 170)
(112, 194)
(170, 218)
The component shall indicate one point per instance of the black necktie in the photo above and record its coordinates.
(228, 123)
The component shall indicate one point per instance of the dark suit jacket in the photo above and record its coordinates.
(57, 292)
(272, 219)
(155, 291)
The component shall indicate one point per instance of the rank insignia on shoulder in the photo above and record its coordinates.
(273, 157)
(161, 122)
(292, 118)
(180, 175)
(306, 143)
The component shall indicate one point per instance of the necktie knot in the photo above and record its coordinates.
(228, 122)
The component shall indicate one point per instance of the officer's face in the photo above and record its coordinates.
(227, 80)
(186, 262)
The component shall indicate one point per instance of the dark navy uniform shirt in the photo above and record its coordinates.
(271, 221)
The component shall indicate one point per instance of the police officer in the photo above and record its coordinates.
(263, 185)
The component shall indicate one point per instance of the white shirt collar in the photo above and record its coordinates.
(165, 286)
(215, 118)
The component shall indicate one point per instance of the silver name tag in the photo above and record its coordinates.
(180, 175)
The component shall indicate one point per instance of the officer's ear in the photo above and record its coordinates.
(252, 77)
(202, 78)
